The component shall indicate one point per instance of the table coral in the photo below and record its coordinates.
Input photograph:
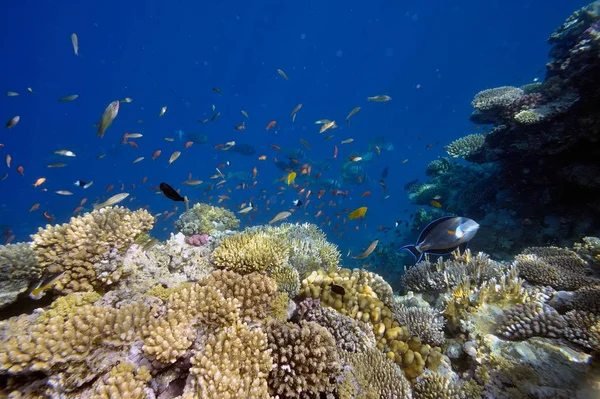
(78, 247)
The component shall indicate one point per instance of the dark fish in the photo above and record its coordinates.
(444, 235)
(338, 289)
(170, 192)
(297, 202)
(384, 173)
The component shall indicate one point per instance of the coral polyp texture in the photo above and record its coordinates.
(206, 219)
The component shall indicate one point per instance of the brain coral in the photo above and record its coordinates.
(18, 270)
(206, 219)
(78, 247)
(305, 359)
(466, 147)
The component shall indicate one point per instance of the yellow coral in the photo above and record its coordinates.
(233, 363)
(249, 252)
(79, 246)
(354, 296)
(123, 381)
(206, 219)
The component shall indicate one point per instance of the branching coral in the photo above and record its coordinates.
(370, 374)
(78, 247)
(18, 270)
(437, 386)
(423, 322)
(350, 335)
(305, 359)
(251, 251)
(557, 267)
(466, 147)
(123, 381)
(532, 319)
(233, 363)
(206, 219)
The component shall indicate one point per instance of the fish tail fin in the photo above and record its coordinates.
(413, 250)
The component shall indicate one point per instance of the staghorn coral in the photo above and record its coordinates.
(255, 292)
(437, 386)
(305, 359)
(233, 363)
(123, 381)
(583, 329)
(79, 247)
(251, 251)
(556, 267)
(466, 147)
(355, 297)
(350, 335)
(532, 319)
(206, 219)
(18, 270)
(423, 322)
(369, 375)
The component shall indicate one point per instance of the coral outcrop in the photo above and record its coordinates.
(206, 219)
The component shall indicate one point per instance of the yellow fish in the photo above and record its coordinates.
(358, 213)
(291, 177)
(45, 284)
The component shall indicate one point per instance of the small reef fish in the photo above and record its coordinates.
(75, 43)
(347, 141)
(44, 285)
(368, 251)
(109, 115)
(246, 209)
(217, 90)
(280, 216)
(380, 98)
(192, 182)
(353, 112)
(63, 192)
(271, 124)
(115, 199)
(305, 143)
(39, 182)
(294, 111)
(322, 121)
(126, 100)
(133, 135)
(163, 111)
(326, 126)
(173, 195)
(68, 98)
(65, 153)
(245, 113)
(12, 122)
(12, 93)
(174, 157)
(291, 178)
(444, 235)
(138, 159)
(358, 213)
(282, 74)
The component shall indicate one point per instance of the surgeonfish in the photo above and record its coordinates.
(444, 235)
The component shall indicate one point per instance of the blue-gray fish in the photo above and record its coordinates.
(444, 235)
(109, 115)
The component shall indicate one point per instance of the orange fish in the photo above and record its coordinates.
(20, 170)
(77, 210)
(271, 124)
(262, 158)
(34, 207)
(133, 144)
(144, 179)
(436, 204)
(110, 187)
(83, 201)
(276, 147)
(156, 154)
(188, 144)
(366, 194)
(48, 216)
(254, 172)
(39, 181)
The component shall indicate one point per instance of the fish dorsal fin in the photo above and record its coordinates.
(431, 226)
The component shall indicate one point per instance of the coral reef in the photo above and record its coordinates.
(82, 247)
(206, 219)
(532, 319)
(422, 322)
(18, 271)
(466, 147)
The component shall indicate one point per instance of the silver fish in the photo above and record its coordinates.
(75, 43)
(110, 113)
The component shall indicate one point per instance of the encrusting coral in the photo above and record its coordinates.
(79, 247)
(206, 219)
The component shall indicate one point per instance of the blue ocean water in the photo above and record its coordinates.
(431, 58)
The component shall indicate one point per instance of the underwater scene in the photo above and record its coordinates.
(281, 200)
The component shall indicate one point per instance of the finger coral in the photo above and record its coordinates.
(123, 381)
(249, 252)
(206, 219)
(18, 270)
(305, 359)
(532, 319)
(233, 363)
(77, 248)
